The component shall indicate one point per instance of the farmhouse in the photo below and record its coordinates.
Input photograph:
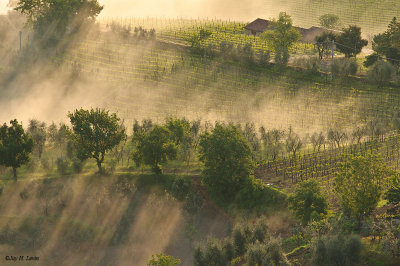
(259, 25)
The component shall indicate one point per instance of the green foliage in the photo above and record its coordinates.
(62, 165)
(37, 130)
(180, 188)
(358, 183)
(239, 241)
(337, 250)
(306, 200)
(227, 161)
(178, 128)
(329, 21)
(163, 260)
(393, 193)
(15, 146)
(344, 67)
(52, 19)
(282, 37)
(387, 43)
(94, 133)
(350, 42)
(324, 43)
(381, 72)
(154, 147)
(258, 196)
(213, 254)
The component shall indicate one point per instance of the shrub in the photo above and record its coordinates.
(311, 64)
(275, 254)
(319, 254)
(336, 250)
(62, 165)
(77, 165)
(263, 58)
(180, 188)
(260, 231)
(228, 250)
(255, 254)
(199, 257)
(344, 67)
(381, 72)
(239, 241)
(163, 260)
(213, 254)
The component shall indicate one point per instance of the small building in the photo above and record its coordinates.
(257, 27)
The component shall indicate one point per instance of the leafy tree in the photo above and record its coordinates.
(227, 159)
(15, 146)
(307, 200)
(272, 141)
(293, 142)
(94, 133)
(336, 136)
(393, 193)
(350, 42)
(387, 44)
(329, 21)
(52, 131)
(154, 147)
(324, 43)
(37, 130)
(178, 128)
(358, 183)
(317, 141)
(282, 37)
(52, 19)
(163, 260)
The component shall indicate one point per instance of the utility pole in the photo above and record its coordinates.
(333, 54)
(20, 42)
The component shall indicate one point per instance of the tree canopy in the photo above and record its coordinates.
(359, 183)
(329, 21)
(52, 19)
(15, 146)
(282, 36)
(307, 201)
(386, 44)
(154, 147)
(94, 133)
(227, 159)
(350, 42)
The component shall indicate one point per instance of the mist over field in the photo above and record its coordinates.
(220, 139)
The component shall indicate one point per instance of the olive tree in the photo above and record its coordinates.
(15, 146)
(94, 132)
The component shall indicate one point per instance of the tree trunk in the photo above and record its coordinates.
(99, 166)
(15, 174)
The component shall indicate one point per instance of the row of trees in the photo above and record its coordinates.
(95, 132)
